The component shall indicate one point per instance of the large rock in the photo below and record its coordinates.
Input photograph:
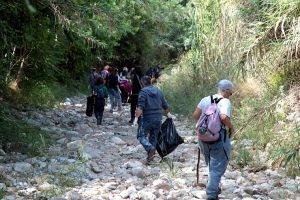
(88, 152)
(117, 141)
(75, 145)
(23, 167)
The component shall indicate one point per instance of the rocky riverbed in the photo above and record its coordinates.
(90, 162)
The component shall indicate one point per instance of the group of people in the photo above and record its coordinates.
(147, 105)
(121, 87)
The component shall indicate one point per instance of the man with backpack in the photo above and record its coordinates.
(151, 101)
(213, 113)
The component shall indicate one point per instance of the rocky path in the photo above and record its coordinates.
(106, 162)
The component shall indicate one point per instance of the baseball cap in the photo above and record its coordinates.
(225, 85)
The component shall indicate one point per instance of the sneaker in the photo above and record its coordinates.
(151, 154)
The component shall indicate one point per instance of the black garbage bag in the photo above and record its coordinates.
(168, 138)
(90, 104)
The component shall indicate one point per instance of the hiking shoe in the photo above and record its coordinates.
(98, 121)
(217, 198)
(151, 155)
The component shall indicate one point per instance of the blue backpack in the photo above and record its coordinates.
(150, 72)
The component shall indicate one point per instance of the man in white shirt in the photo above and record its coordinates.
(217, 154)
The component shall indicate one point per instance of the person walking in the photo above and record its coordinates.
(94, 75)
(101, 93)
(151, 101)
(136, 75)
(114, 91)
(217, 154)
(124, 73)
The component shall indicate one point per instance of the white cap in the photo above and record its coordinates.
(224, 85)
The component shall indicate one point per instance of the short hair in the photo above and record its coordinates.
(99, 81)
(224, 85)
(146, 80)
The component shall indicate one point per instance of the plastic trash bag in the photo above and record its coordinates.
(168, 138)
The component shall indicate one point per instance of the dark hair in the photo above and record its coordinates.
(99, 81)
(146, 80)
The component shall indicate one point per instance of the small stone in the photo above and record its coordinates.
(73, 196)
(46, 187)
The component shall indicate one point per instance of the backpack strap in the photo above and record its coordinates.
(215, 100)
(211, 99)
(218, 100)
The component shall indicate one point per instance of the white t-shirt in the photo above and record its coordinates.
(223, 105)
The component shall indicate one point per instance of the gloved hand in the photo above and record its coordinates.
(170, 116)
(135, 121)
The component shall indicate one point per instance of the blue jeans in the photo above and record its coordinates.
(115, 94)
(147, 133)
(217, 158)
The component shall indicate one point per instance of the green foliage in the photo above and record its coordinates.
(262, 44)
(241, 156)
(263, 122)
(43, 94)
(54, 41)
(168, 164)
(39, 95)
(266, 12)
(183, 91)
(213, 56)
(285, 150)
(2, 194)
(257, 129)
(160, 34)
(23, 137)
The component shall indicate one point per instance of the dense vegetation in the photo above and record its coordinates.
(60, 41)
(253, 42)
